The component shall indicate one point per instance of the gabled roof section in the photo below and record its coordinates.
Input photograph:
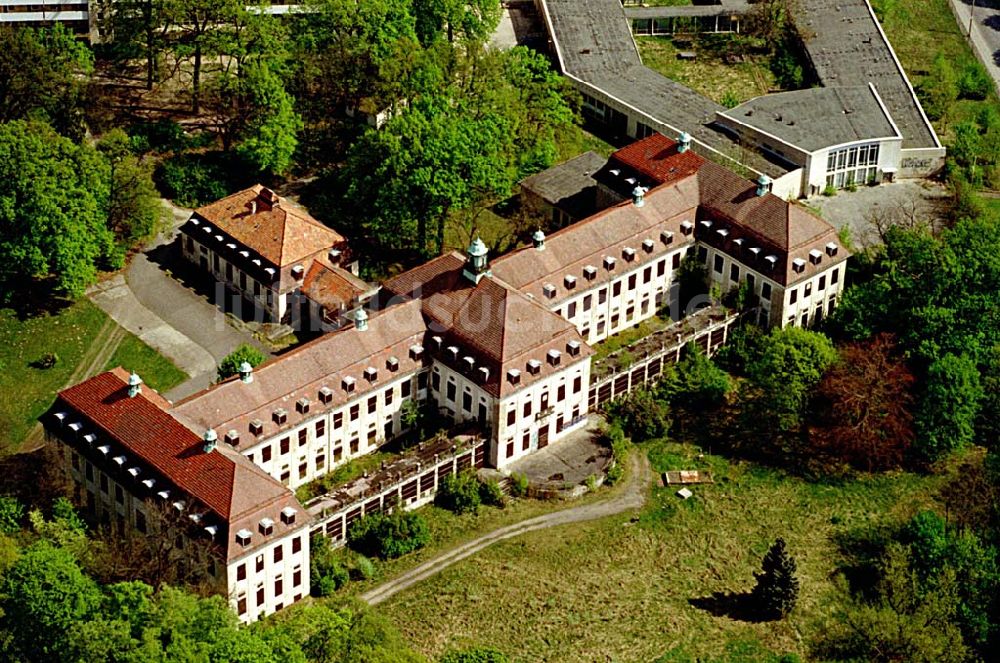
(656, 157)
(281, 231)
(332, 287)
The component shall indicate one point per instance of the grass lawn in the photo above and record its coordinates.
(919, 31)
(709, 74)
(26, 391)
(615, 590)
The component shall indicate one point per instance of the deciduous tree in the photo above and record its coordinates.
(946, 415)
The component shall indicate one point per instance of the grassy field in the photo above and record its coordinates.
(618, 590)
(26, 391)
(709, 74)
(919, 31)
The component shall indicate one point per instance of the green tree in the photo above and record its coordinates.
(791, 363)
(642, 415)
(988, 420)
(692, 283)
(54, 87)
(389, 535)
(464, 20)
(194, 35)
(269, 137)
(940, 89)
(230, 364)
(133, 203)
(326, 573)
(946, 416)
(459, 493)
(11, 515)
(43, 596)
(53, 208)
(696, 382)
(777, 588)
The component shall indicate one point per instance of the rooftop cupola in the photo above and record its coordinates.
(538, 240)
(684, 142)
(246, 373)
(134, 385)
(639, 195)
(763, 184)
(476, 266)
(361, 320)
(211, 439)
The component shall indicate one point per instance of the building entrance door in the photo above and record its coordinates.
(543, 436)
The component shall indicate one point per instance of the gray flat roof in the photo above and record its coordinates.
(847, 48)
(595, 44)
(566, 184)
(730, 9)
(817, 118)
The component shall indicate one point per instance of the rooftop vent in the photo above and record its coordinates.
(534, 366)
(763, 184)
(538, 240)
(288, 515)
(831, 249)
(549, 290)
(639, 195)
(648, 245)
(211, 439)
(280, 416)
(348, 384)
(325, 395)
(684, 142)
(590, 272)
(134, 385)
(361, 320)
(302, 405)
(246, 373)
(256, 427)
(514, 376)
(392, 364)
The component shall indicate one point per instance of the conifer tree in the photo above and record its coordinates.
(777, 587)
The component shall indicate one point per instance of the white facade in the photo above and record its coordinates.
(271, 577)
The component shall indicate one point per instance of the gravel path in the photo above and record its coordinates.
(632, 497)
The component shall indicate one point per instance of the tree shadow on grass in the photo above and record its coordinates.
(739, 606)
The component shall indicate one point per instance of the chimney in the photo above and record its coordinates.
(538, 240)
(361, 320)
(211, 439)
(638, 195)
(763, 184)
(246, 373)
(684, 142)
(134, 385)
(253, 207)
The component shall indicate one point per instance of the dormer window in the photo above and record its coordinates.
(739, 241)
(348, 384)
(392, 364)
(288, 515)
(706, 224)
(549, 290)
(298, 272)
(534, 366)
(105, 450)
(256, 427)
(570, 282)
(469, 362)
(179, 506)
(302, 405)
(76, 426)
(218, 238)
(798, 265)
(212, 530)
(573, 348)
(371, 374)
(723, 233)
(134, 471)
(647, 245)
(590, 272)
(609, 263)
(119, 460)
(163, 495)
(453, 352)
(60, 418)
(231, 246)
(514, 376)
(554, 357)
(207, 229)
(755, 251)
(149, 483)
(416, 352)
(437, 341)
(233, 437)
(266, 526)
(815, 256)
(628, 253)
(687, 227)
(667, 237)
(243, 537)
(484, 373)
(771, 261)
(325, 395)
(280, 416)
(831, 249)
(90, 438)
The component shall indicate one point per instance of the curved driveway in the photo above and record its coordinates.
(632, 496)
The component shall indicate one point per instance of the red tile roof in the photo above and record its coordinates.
(332, 287)
(657, 158)
(281, 231)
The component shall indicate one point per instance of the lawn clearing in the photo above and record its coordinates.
(616, 590)
(710, 74)
(27, 391)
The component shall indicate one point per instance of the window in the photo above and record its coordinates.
(89, 470)
(404, 389)
(241, 605)
(511, 416)
(296, 544)
(372, 404)
(718, 264)
(807, 290)
(297, 577)
(320, 462)
(571, 310)
(354, 446)
(587, 301)
(822, 283)
(560, 393)
(793, 296)
(303, 470)
(387, 395)
(321, 428)
(140, 521)
(338, 419)
(119, 494)
(451, 391)
(265, 454)
(527, 408)
(675, 262)
(702, 254)
(765, 291)
(602, 295)
(284, 445)
(436, 381)
(279, 553)
(260, 595)
(467, 401)
(303, 436)
(279, 587)
(104, 483)
(577, 384)
(734, 272)
(355, 412)
(260, 563)
(525, 441)
(834, 276)
(647, 274)
(241, 572)
(510, 449)
(285, 475)
(632, 281)
(616, 288)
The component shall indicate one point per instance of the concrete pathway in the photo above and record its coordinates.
(985, 34)
(633, 496)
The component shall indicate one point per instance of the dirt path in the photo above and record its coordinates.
(100, 351)
(632, 497)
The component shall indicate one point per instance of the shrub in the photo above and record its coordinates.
(491, 494)
(518, 484)
(730, 99)
(615, 438)
(11, 515)
(459, 493)
(388, 536)
(697, 382)
(974, 81)
(591, 482)
(476, 655)
(230, 364)
(326, 573)
(364, 568)
(829, 190)
(642, 415)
